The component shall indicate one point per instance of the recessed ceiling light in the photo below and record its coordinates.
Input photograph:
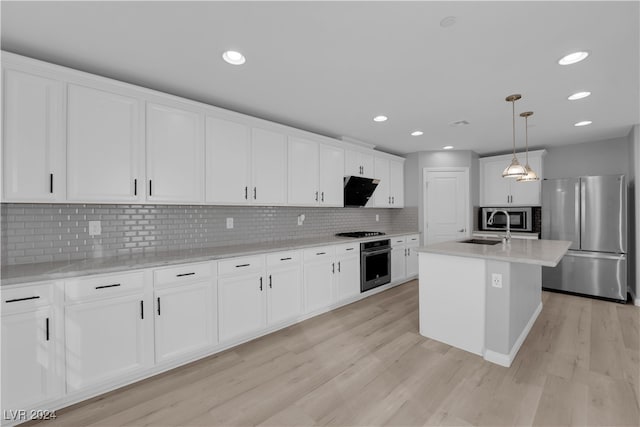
(448, 21)
(233, 57)
(417, 133)
(572, 58)
(583, 123)
(578, 95)
(448, 147)
(380, 118)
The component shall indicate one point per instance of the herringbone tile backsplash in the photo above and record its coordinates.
(59, 232)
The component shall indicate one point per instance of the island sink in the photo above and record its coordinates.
(481, 241)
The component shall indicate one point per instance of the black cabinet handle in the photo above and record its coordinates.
(185, 274)
(47, 329)
(246, 192)
(158, 306)
(260, 282)
(270, 283)
(21, 299)
(320, 253)
(255, 194)
(285, 259)
(142, 309)
(316, 196)
(51, 183)
(338, 266)
(389, 199)
(242, 265)
(135, 187)
(393, 200)
(150, 193)
(108, 286)
(349, 249)
(333, 267)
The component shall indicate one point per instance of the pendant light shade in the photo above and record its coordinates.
(515, 169)
(530, 175)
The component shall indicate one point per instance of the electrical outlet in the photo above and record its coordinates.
(377, 217)
(95, 229)
(301, 219)
(496, 280)
(229, 222)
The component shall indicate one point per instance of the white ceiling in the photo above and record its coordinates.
(329, 67)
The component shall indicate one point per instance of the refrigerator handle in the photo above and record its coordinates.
(579, 211)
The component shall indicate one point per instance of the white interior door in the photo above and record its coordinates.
(446, 204)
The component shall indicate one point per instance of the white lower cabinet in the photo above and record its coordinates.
(108, 329)
(185, 305)
(404, 257)
(241, 304)
(347, 271)
(29, 337)
(319, 272)
(284, 286)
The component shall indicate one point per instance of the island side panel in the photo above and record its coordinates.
(452, 300)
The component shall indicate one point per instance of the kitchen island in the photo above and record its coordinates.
(484, 298)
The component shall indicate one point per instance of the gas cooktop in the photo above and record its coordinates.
(361, 234)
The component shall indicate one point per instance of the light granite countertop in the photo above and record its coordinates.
(547, 253)
(25, 273)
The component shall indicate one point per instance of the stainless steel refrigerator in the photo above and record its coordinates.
(591, 212)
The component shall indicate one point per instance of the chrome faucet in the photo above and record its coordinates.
(490, 222)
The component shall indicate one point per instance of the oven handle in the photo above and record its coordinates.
(381, 251)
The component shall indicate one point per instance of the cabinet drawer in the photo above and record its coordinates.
(348, 249)
(103, 286)
(182, 273)
(281, 259)
(413, 239)
(320, 252)
(398, 241)
(241, 265)
(26, 298)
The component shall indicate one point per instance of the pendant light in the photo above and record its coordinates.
(531, 175)
(515, 169)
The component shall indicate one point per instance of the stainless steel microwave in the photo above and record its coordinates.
(521, 219)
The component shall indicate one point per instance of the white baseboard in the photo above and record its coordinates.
(506, 359)
(634, 297)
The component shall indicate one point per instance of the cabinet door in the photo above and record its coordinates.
(184, 320)
(304, 172)
(284, 294)
(494, 189)
(398, 263)
(396, 179)
(28, 359)
(318, 285)
(103, 146)
(382, 195)
(106, 339)
(175, 154)
(227, 162)
(348, 277)
(528, 193)
(367, 165)
(352, 163)
(241, 305)
(269, 167)
(33, 145)
(331, 178)
(412, 260)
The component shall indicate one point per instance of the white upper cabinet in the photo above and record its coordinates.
(103, 146)
(498, 191)
(304, 169)
(359, 163)
(33, 143)
(175, 154)
(268, 167)
(331, 178)
(228, 152)
(390, 190)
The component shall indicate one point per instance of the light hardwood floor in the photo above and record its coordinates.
(366, 364)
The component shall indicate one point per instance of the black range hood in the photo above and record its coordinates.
(358, 190)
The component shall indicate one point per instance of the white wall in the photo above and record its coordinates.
(607, 157)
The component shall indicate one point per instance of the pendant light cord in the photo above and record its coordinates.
(526, 136)
(513, 117)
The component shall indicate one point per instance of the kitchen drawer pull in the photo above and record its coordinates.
(321, 253)
(22, 299)
(349, 249)
(108, 286)
(285, 259)
(184, 274)
(242, 265)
